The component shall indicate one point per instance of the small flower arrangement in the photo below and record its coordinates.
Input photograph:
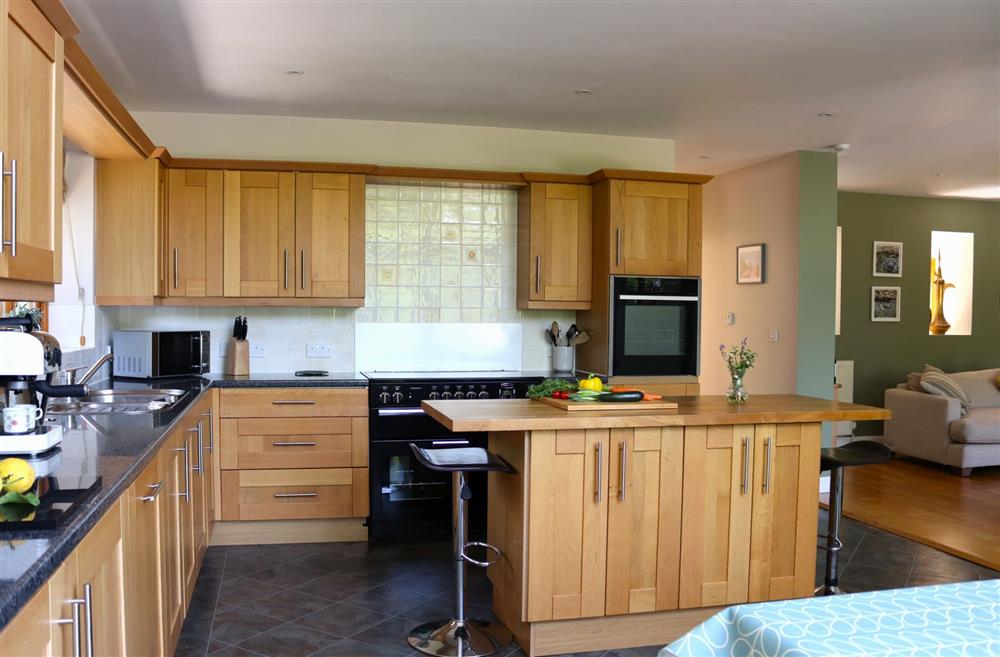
(739, 358)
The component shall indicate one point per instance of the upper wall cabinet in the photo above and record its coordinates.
(31, 77)
(653, 228)
(554, 233)
(194, 233)
(330, 235)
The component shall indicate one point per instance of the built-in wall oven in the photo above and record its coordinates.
(654, 326)
(408, 500)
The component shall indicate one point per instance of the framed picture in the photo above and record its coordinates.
(885, 303)
(750, 263)
(887, 259)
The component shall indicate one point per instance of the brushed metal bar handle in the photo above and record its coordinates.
(296, 494)
(176, 275)
(621, 484)
(196, 467)
(599, 464)
(449, 442)
(302, 268)
(13, 208)
(746, 466)
(293, 402)
(618, 246)
(767, 465)
(211, 431)
(88, 606)
(538, 274)
(286, 269)
(187, 472)
(3, 173)
(292, 443)
(75, 621)
(156, 492)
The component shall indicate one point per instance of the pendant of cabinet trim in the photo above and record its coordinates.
(554, 233)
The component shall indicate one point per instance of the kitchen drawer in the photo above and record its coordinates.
(293, 402)
(295, 494)
(277, 443)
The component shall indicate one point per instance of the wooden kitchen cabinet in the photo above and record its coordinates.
(174, 534)
(555, 227)
(567, 538)
(142, 505)
(644, 519)
(330, 235)
(194, 234)
(30, 633)
(31, 78)
(259, 228)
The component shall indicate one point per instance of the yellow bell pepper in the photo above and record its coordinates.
(591, 383)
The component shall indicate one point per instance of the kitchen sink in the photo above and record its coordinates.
(129, 402)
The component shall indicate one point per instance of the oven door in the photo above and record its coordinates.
(654, 326)
(180, 353)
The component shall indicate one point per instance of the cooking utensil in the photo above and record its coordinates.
(570, 333)
(243, 329)
(580, 338)
(555, 333)
(236, 328)
(548, 336)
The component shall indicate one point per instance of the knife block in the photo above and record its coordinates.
(238, 357)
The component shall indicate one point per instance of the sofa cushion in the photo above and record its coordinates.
(931, 368)
(913, 382)
(938, 383)
(981, 425)
(980, 387)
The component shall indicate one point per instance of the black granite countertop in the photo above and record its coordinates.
(115, 448)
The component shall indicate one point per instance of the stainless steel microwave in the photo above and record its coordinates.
(654, 326)
(149, 354)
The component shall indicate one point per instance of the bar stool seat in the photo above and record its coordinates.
(835, 459)
(461, 636)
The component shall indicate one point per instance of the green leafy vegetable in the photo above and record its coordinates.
(548, 386)
(17, 498)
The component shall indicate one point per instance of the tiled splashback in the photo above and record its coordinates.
(436, 253)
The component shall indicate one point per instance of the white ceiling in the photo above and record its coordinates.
(914, 86)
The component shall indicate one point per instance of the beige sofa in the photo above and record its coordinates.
(932, 427)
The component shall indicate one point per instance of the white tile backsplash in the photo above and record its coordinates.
(435, 253)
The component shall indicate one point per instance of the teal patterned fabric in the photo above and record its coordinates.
(960, 620)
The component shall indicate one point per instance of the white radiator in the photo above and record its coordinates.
(843, 374)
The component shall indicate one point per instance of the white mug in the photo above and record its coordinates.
(18, 419)
(35, 414)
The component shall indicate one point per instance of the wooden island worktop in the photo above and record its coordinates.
(628, 528)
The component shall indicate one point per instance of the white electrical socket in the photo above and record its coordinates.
(257, 350)
(730, 318)
(319, 350)
(774, 335)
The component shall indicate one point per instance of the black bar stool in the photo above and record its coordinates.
(461, 636)
(835, 459)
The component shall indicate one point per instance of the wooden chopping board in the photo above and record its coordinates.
(570, 405)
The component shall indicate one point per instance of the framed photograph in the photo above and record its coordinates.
(885, 303)
(750, 263)
(887, 259)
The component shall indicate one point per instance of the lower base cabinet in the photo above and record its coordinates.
(30, 633)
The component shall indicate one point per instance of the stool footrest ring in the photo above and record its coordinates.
(485, 546)
(838, 544)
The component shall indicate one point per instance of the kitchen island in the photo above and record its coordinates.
(628, 528)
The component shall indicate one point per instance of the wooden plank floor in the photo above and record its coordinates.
(925, 502)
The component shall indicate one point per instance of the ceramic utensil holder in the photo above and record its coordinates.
(563, 358)
(238, 357)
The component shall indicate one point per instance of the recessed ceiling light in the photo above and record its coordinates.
(702, 157)
(295, 72)
(582, 92)
(825, 115)
(936, 175)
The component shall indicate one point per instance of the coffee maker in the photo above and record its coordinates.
(25, 355)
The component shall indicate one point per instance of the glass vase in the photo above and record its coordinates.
(737, 394)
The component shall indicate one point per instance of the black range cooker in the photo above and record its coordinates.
(407, 499)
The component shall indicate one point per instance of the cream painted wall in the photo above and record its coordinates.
(758, 203)
(400, 144)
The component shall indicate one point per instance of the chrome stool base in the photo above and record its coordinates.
(827, 590)
(470, 638)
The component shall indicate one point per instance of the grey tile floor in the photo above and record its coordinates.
(361, 599)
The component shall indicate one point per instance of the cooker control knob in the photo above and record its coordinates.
(484, 395)
(434, 395)
(459, 394)
(445, 395)
(397, 397)
(384, 398)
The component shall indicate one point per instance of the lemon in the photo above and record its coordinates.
(17, 475)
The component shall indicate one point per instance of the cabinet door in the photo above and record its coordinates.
(330, 235)
(785, 508)
(560, 243)
(100, 566)
(191, 492)
(259, 225)
(194, 219)
(172, 531)
(31, 73)
(28, 635)
(644, 519)
(65, 604)
(651, 232)
(200, 487)
(209, 447)
(144, 616)
(717, 505)
(567, 524)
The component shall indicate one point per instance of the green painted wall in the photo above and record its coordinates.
(883, 353)
(817, 275)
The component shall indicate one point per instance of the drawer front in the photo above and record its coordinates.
(294, 402)
(282, 443)
(295, 494)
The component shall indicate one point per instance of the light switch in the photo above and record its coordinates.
(774, 335)
(730, 318)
